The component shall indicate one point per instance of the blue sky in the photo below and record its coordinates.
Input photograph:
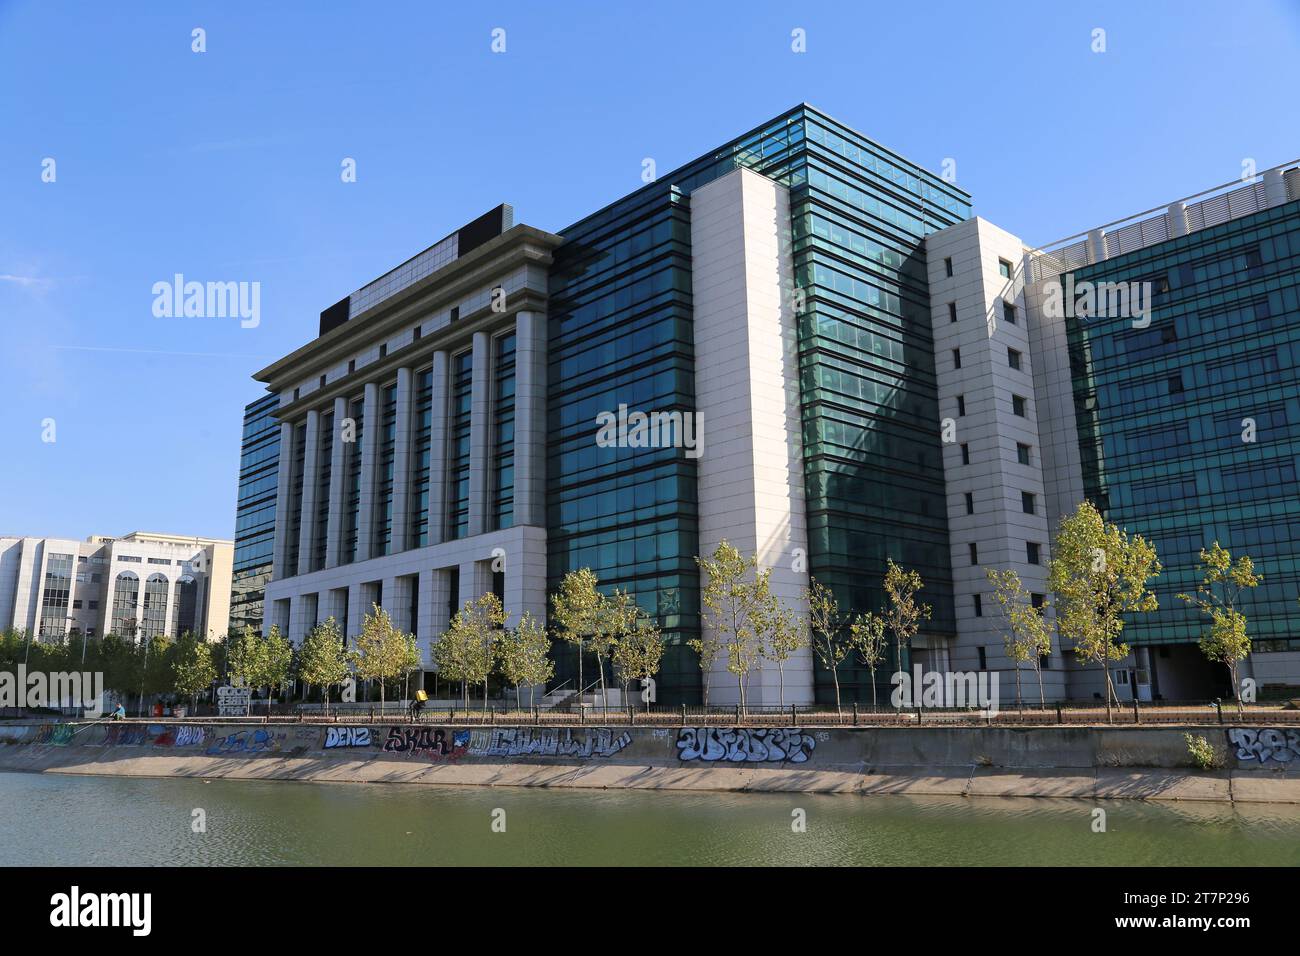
(224, 166)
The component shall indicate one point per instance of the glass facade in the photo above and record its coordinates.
(54, 596)
(324, 462)
(352, 486)
(185, 602)
(1189, 428)
(296, 465)
(259, 470)
(620, 332)
(502, 507)
(420, 459)
(126, 592)
(386, 451)
(458, 444)
(154, 614)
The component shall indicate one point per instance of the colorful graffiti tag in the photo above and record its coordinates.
(347, 737)
(247, 742)
(1267, 745)
(527, 742)
(54, 735)
(434, 743)
(742, 745)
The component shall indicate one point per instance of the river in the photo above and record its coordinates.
(58, 819)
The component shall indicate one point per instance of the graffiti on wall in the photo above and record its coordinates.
(247, 742)
(1267, 745)
(526, 742)
(744, 745)
(54, 735)
(434, 743)
(347, 737)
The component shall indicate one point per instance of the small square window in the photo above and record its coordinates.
(1026, 502)
(1013, 358)
(1022, 453)
(1009, 313)
(1018, 405)
(1004, 268)
(1031, 552)
(952, 311)
(1176, 384)
(974, 553)
(965, 454)
(956, 358)
(947, 266)
(970, 503)
(1036, 600)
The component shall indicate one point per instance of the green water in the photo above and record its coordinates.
(86, 821)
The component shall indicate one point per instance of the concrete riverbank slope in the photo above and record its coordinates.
(1260, 764)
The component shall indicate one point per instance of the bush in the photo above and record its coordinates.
(1205, 756)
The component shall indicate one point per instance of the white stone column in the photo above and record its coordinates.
(397, 601)
(475, 580)
(370, 426)
(338, 482)
(480, 433)
(437, 513)
(357, 610)
(400, 539)
(432, 612)
(310, 479)
(747, 434)
(530, 419)
(280, 555)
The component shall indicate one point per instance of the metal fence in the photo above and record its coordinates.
(853, 715)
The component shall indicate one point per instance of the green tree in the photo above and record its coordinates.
(575, 613)
(467, 649)
(383, 653)
(194, 668)
(122, 666)
(639, 649)
(522, 651)
(1222, 583)
(1099, 574)
(734, 593)
(1027, 633)
(323, 658)
(782, 635)
(246, 658)
(157, 673)
(830, 637)
(277, 663)
(903, 612)
(867, 636)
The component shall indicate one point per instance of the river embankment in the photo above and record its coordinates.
(1259, 764)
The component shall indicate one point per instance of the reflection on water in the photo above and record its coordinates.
(67, 820)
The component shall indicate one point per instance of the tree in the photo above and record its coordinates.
(639, 649)
(523, 654)
(1222, 582)
(575, 612)
(122, 665)
(246, 658)
(156, 673)
(782, 634)
(194, 668)
(383, 653)
(1027, 637)
(829, 637)
(277, 663)
(903, 613)
(323, 659)
(615, 615)
(466, 650)
(867, 636)
(733, 597)
(1099, 574)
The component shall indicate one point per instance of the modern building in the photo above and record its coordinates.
(139, 585)
(811, 350)
(259, 463)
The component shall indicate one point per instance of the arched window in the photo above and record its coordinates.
(154, 616)
(186, 600)
(126, 591)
